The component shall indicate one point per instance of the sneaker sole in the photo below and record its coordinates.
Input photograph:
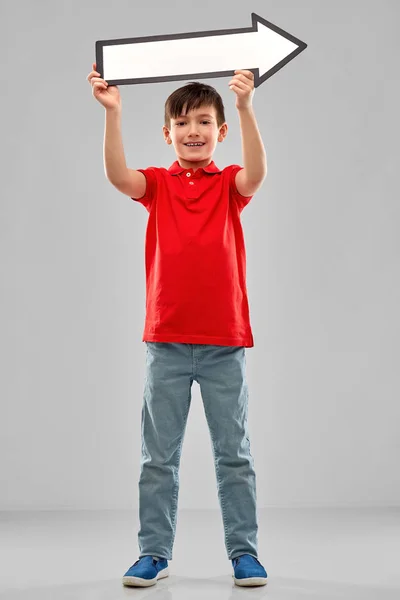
(249, 581)
(140, 582)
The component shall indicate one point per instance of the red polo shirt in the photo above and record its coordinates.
(195, 257)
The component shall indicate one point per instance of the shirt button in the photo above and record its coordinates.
(191, 182)
(187, 174)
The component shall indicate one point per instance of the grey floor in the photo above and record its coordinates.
(308, 553)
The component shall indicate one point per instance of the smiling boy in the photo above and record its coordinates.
(197, 315)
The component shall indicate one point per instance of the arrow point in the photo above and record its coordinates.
(275, 46)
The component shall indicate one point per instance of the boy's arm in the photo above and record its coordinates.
(249, 179)
(114, 157)
(128, 181)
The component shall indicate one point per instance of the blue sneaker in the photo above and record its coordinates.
(248, 571)
(146, 571)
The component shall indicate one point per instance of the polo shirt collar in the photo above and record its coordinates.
(176, 169)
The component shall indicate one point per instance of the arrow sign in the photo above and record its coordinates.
(262, 48)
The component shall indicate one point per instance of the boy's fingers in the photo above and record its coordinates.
(93, 75)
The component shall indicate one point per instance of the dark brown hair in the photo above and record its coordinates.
(193, 95)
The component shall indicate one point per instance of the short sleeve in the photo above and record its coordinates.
(151, 187)
(241, 201)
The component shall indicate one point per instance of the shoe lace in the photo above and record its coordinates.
(237, 560)
(154, 561)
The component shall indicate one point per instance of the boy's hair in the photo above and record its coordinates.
(193, 95)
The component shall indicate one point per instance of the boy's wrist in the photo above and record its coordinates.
(111, 111)
(246, 109)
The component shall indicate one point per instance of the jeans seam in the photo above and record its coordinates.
(228, 547)
(176, 484)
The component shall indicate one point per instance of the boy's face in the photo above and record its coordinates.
(200, 125)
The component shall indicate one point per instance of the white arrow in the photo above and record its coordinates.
(263, 49)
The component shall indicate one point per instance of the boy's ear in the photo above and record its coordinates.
(165, 133)
(224, 131)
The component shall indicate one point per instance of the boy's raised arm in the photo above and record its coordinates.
(128, 181)
(114, 156)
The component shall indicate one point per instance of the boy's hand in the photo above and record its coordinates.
(108, 96)
(243, 86)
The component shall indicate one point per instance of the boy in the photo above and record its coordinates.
(197, 316)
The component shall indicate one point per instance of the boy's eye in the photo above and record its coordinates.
(181, 122)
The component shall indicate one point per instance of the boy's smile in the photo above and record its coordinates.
(197, 127)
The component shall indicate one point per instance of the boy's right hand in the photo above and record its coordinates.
(108, 96)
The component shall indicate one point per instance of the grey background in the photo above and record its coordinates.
(322, 259)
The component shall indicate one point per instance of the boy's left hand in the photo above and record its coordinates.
(243, 86)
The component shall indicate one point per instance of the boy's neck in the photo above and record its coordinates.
(195, 165)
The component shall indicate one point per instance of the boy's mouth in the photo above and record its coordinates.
(197, 145)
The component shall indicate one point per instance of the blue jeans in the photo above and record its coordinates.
(220, 372)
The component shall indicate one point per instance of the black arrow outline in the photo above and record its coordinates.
(181, 36)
